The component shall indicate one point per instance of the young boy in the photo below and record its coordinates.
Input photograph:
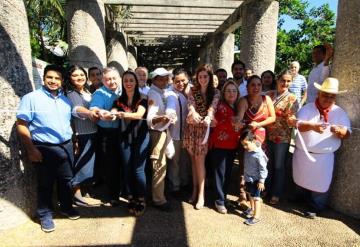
(255, 173)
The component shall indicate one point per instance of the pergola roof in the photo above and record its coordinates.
(171, 24)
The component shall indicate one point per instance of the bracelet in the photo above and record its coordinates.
(114, 118)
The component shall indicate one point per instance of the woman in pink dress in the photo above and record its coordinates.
(203, 100)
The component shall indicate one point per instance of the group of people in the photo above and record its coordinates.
(108, 128)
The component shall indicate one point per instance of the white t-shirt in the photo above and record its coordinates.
(318, 75)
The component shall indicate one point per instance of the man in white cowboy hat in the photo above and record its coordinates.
(322, 125)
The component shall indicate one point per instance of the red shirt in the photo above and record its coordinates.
(223, 135)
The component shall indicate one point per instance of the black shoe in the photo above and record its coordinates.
(71, 213)
(115, 203)
(166, 207)
(176, 194)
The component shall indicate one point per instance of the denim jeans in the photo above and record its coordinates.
(316, 200)
(134, 157)
(277, 156)
(55, 166)
(222, 161)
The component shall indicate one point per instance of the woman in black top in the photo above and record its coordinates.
(131, 108)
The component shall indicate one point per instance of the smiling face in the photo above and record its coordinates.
(203, 78)
(326, 100)
(111, 80)
(231, 94)
(180, 81)
(283, 83)
(161, 81)
(53, 80)
(78, 79)
(129, 83)
(254, 87)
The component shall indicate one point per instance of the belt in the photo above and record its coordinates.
(51, 144)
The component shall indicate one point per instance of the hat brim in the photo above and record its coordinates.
(155, 75)
(318, 87)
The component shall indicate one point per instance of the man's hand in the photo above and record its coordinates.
(329, 54)
(319, 127)
(94, 115)
(160, 119)
(261, 186)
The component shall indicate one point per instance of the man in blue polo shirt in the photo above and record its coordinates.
(43, 125)
(107, 151)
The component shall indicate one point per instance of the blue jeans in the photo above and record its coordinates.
(55, 166)
(277, 156)
(316, 200)
(222, 160)
(134, 157)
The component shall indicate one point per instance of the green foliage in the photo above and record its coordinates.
(47, 27)
(317, 26)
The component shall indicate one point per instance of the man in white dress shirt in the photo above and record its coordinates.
(238, 71)
(322, 125)
(321, 55)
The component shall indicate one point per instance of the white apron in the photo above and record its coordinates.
(317, 175)
(314, 176)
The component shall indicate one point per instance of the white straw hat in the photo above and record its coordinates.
(329, 85)
(159, 72)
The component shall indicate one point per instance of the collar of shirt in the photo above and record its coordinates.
(48, 93)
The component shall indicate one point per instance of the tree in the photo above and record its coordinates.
(47, 27)
(317, 26)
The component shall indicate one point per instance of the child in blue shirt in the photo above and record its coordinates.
(255, 173)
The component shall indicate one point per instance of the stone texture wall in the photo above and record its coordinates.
(132, 56)
(117, 51)
(346, 67)
(86, 32)
(17, 179)
(258, 34)
(223, 51)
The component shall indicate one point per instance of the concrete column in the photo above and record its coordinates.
(17, 179)
(117, 52)
(132, 55)
(224, 51)
(86, 32)
(258, 34)
(346, 67)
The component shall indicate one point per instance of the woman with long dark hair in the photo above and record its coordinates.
(84, 130)
(131, 109)
(203, 100)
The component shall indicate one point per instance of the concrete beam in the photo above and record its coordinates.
(172, 33)
(145, 26)
(168, 29)
(162, 16)
(171, 22)
(232, 22)
(178, 3)
(181, 10)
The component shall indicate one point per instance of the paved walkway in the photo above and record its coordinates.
(106, 226)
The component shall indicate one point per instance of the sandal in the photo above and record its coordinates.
(140, 207)
(131, 205)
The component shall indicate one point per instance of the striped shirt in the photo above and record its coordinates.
(298, 87)
(82, 126)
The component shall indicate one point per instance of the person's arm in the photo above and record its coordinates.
(262, 161)
(339, 131)
(154, 120)
(304, 126)
(132, 115)
(83, 112)
(23, 132)
(193, 115)
(291, 111)
(212, 109)
(328, 55)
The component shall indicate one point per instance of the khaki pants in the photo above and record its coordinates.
(179, 168)
(158, 162)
